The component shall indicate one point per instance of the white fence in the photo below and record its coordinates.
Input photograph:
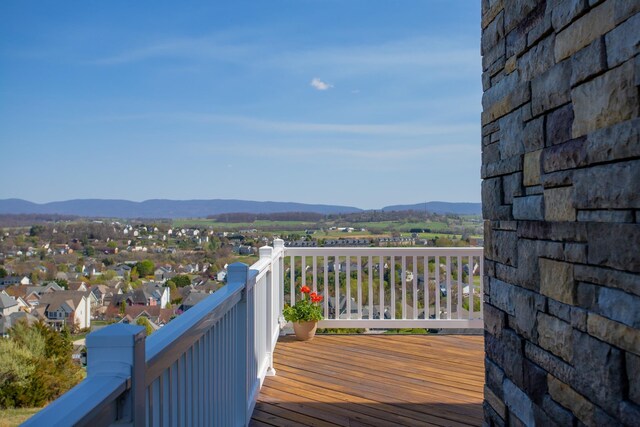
(207, 366)
(390, 287)
(204, 368)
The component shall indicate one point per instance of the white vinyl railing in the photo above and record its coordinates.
(204, 368)
(389, 287)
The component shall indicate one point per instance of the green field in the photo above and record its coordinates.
(373, 229)
(260, 225)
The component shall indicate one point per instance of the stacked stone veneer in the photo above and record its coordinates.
(561, 200)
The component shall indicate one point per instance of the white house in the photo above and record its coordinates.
(71, 308)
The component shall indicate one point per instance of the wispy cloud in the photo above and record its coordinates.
(320, 85)
(388, 129)
(197, 49)
(405, 54)
(401, 129)
(408, 152)
(366, 153)
(408, 54)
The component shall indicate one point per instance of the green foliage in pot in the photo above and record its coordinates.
(306, 310)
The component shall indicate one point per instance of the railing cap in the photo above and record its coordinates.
(116, 335)
(237, 272)
(266, 252)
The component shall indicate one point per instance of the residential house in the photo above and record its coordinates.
(161, 294)
(78, 286)
(155, 314)
(122, 270)
(31, 299)
(90, 270)
(149, 294)
(100, 291)
(70, 308)
(208, 286)
(302, 244)
(46, 287)
(30, 295)
(246, 250)
(15, 280)
(8, 304)
(22, 304)
(162, 274)
(192, 299)
(192, 268)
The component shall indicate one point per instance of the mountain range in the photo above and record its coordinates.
(159, 208)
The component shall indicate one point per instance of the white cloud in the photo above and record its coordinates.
(439, 56)
(444, 56)
(319, 84)
(403, 129)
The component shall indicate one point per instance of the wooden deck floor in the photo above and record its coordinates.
(374, 380)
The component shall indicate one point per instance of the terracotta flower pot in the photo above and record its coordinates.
(305, 331)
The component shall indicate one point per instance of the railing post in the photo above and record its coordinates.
(278, 246)
(266, 252)
(239, 273)
(119, 350)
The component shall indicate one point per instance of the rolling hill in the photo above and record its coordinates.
(159, 208)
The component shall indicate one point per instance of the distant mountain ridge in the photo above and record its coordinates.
(460, 208)
(159, 208)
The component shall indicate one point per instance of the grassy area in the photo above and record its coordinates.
(297, 226)
(80, 336)
(15, 417)
(95, 323)
(247, 259)
(280, 225)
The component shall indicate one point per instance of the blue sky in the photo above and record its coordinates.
(359, 102)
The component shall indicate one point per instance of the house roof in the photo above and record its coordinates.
(7, 301)
(45, 288)
(156, 313)
(56, 300)
(209, 286)
(74, 286)
(194, 298)
(103, 289)
(139, 296)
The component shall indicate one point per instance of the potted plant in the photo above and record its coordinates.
(305, 314)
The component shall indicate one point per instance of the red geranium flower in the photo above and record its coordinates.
(316, 298)
(313, 294)
(305, 290)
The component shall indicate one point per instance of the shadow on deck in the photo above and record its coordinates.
(374, 380)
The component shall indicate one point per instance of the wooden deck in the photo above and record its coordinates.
(375, 380)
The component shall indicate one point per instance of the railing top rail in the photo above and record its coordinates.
(162, 349)
(96, 399)
(259, 268)
(91, 399)
(356, 250)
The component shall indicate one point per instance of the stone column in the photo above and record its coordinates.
(561, 202)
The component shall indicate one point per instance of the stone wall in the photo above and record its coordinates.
(561, 200)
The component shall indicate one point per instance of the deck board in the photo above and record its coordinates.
(374, 380)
